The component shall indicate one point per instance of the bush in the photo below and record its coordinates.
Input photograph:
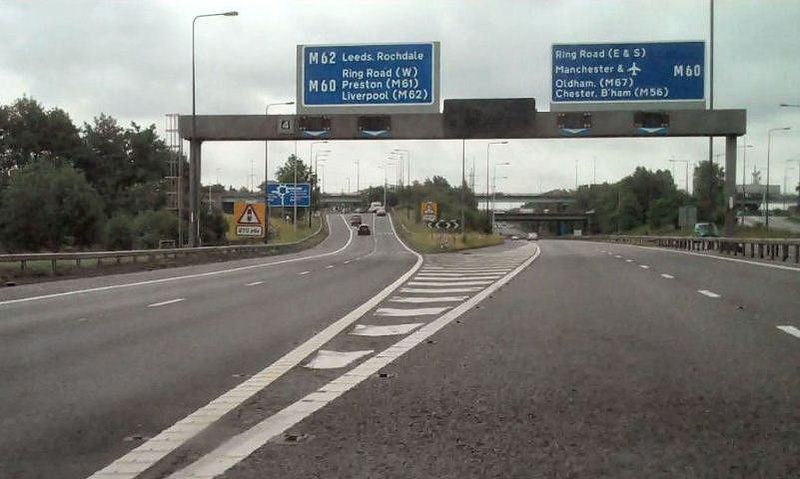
(152, 226)
(44, 205)
(119, 234)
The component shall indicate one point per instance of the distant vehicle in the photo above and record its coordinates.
(373, 207)
(532, 237)
(355, 220)
(380, 212)
(514, 237)
(363, 230)
(706, 230)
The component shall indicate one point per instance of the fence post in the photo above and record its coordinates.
(53, 264)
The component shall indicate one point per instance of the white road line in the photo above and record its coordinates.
(390, 330)
(466, 271)
(176, 435)
(178, 278)
(629, 261)
(302, 273)
(329, 266)
(452, 277)
(80, 320)
(644, 266)
(790, 330)
(327, 359)
(399, 312)
(254, 283)
(452, 283)
(164, 303)
(708, 293)
(348, 261)
(242, 445)
(425, 299)
(439, 290)
(667, 276)
(711, 256)
(618, 256)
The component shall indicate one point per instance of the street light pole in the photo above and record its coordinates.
(488, 147)
(766, 196)
(194, 163)
(266, 170)
(797, 160)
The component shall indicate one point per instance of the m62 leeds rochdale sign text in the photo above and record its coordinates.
(629, 73)
(382, 78)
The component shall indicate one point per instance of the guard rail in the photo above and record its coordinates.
(151, 254)
(775, 249)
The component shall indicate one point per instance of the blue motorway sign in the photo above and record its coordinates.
(286, 194)
(628, 72)
(369, 78)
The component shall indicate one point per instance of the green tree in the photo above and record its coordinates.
(46, 206)
(708, 184)
(286, 172)
(29, 133)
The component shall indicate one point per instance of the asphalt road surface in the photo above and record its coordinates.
(556, 359)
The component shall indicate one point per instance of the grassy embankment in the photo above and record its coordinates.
(425, 240)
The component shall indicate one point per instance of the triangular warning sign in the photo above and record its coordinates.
(249, 216)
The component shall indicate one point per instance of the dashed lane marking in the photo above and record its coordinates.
(164, 303)
(708, 293)
(327, 359)
(390, 330)
(629, 261)
(398, 312)
(303, 272)
(425, 299)
(254, 283)
(178, 278)
(348, 261)
(618, 256)
(329, 266)
(667, 276)
(644, 266)
(790, 330)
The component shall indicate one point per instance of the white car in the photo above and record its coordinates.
(532, 237)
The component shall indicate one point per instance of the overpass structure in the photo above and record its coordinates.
(472, 119)
(535, 198)
(556, 223)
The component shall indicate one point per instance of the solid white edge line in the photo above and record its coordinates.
(711, 256)
(242, 445)
(790, 330)
(164, 303)
(156, 448)
(188, 276)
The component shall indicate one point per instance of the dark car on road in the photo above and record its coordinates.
(355, 220)
(363, 230)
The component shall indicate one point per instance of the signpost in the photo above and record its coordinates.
(665, 75)
(248, 217)
(379, 78)
(429, 210)
(289, 194)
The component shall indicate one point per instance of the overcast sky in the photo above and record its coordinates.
(132, 60)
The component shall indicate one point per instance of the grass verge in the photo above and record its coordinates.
(426, 240)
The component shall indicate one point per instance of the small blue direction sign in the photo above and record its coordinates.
(629, 73)
(368, 78)
(286, 194)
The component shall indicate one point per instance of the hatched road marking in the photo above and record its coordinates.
(790, 330)
(164, 303)
(440, 290)
(242, 445)
(452, 283)
(391, 330)
(398, 312)
(326, 359)
(425, 299)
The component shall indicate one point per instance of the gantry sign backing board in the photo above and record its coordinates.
(374, 78)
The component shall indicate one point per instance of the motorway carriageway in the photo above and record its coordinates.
(556, 359)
